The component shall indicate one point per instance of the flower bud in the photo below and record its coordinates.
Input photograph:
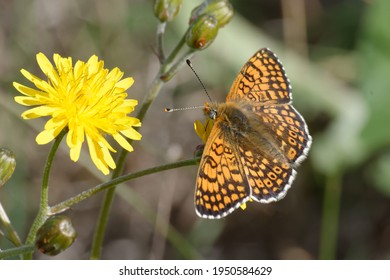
(167, 10)
(55, 235)
(221, 10)
(202, 32)
(7, 165)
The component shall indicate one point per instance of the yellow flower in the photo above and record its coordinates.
(87, 99)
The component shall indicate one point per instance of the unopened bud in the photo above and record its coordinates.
(167, 10)
(202, 32)
(55, 235)
(7, 165)
(221, 10)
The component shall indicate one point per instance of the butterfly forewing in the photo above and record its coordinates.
(220, 186)
(262, 79)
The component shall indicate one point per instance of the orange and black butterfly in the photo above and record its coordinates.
(257, 141)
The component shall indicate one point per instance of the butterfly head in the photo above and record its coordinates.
(213, 114)
(210, 110)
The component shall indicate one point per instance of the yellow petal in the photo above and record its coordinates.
(133, 122)
(27, 101)
(56, 123)
(47, 68)
(27, 90)
(128, 106)
(45, 136)
(97, 156)
(92, 64)
(37, 112)
(75, 135)
(75, 151)
(125, 84)
(108, 158)
(132, 134)
(199, 128)
(63, 64)
(115, 74)
(123, 142)
(103, 143)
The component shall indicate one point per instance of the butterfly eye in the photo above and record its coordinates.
(213, 114)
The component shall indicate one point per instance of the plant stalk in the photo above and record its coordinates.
(44, 201)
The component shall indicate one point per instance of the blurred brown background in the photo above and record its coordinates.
(337, 56)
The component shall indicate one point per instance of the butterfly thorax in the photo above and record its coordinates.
(232, 116)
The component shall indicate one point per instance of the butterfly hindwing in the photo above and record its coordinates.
(268, 178)
(289, 130)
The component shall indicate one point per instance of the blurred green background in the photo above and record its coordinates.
(337, 56)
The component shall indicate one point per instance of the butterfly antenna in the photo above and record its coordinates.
(182, 109)
(200, 81)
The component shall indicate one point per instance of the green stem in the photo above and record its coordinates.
(174, 68)
(44, 202)
(170, 59)
(159, 36)
(98, 237)
(330, 218)
(157, 84)
(13, 252)
(100, 231)
(60, 207)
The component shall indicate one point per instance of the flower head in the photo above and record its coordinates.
(87, 99)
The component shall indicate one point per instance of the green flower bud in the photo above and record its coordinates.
(202, 32)
(167, 10)
(55, 235)
(7, 165)
(221, 10)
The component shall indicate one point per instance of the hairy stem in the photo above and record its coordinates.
(44, 201)
(60, 207)
(13, 252)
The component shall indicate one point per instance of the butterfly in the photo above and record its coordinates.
(256, 143)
